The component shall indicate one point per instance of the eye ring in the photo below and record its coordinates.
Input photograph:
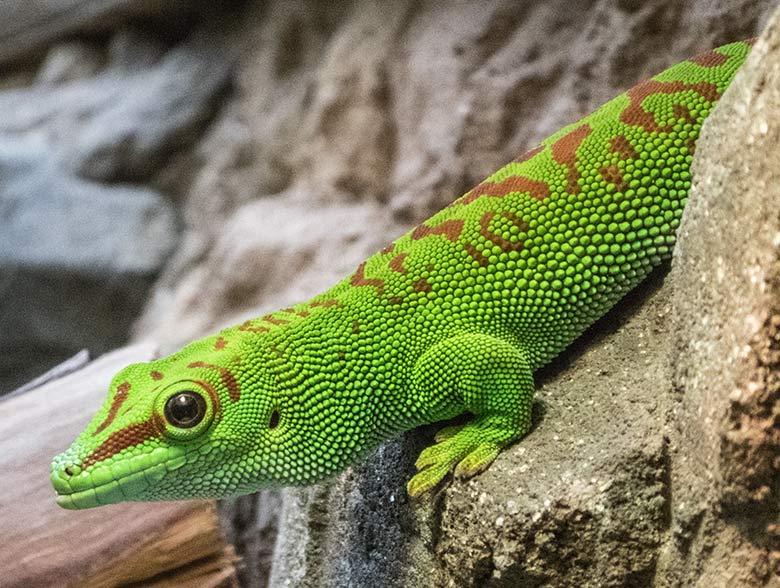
(185, 409)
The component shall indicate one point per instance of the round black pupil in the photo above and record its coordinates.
(185, 409)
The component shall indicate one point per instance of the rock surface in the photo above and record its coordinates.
(31, 24)
(725, 421)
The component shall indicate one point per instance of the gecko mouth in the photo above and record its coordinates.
(125, 479)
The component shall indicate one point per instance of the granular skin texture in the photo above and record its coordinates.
(453, 317)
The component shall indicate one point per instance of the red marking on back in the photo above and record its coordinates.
(156, 375)
(395, 300)
(564, 151)
(359, 279)
(450, 229)
(422, 285)
(220, 343)
(635, 115)
(710, 58)
(612, 175)
(247, 326)
(125, 437)
(301, 313)
(528, 154)
(397, 263)
(269, 318)
(478, 256)
(535, 188)
(228, 379)
(355, 327)
(388, 248)
(121, 395)
(622, 147)
(683, 112)
(498, 239)
(325, 303)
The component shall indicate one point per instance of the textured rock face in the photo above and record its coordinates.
(32, 24)
(726, 439)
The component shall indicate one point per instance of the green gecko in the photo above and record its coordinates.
(452, 317)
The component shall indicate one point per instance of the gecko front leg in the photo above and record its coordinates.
(485, 376)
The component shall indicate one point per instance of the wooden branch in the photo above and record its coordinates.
(129, 545)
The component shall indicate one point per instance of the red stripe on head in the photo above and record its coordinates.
(228, 379)
(121, 395)
(125, 437)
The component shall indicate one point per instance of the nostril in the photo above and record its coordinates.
(68, 472)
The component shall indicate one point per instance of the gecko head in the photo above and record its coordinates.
(175, 428)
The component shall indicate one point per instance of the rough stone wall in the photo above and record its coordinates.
(247, 157)
(725, 421)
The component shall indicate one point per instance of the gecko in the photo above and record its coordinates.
(453, 317)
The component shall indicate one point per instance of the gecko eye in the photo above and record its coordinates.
(185, 409)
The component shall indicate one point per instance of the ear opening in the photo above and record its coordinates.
(274, 421)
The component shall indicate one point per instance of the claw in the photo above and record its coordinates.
(426, 480)
(477, 461)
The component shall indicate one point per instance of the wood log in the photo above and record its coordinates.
(129, 545)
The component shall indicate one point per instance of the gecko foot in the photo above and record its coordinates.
(468, 449)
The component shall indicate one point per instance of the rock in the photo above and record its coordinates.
(80, 246)
(99, 229)
(582, 501)
(97, 247)
(130, 50)
(345, 124)
(299, 250)
(400, 105)
(68, 62)
(27, 26)
(123, 123)
(726, 434)
(160, 111)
